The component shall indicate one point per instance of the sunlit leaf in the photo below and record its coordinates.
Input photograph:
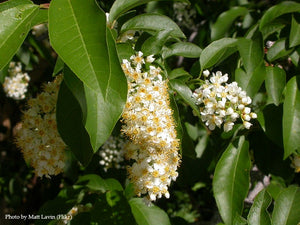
(214, 52)
(15, 17)
(232, 179)
(258, 214)
(86, 45)
(148, 215)
(287, 207)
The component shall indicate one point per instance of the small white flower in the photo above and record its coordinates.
(206, 73)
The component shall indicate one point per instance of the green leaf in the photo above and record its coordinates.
(121, 6)
(86, 45)
(179, 73)
(278, 50)
(251, 52)
(152, 22)
(275, 83)
(124, 51)
(59, 66)
(258, 214)
(231, 179)
(147, 215)
(291, 117)
(295, 33)
(274, 26)
(214, 52)
(185, 49)
(70, 125)
(15, 17)
(225, 20)
(295, 56)
(251, 82)
(287, 207)
(154, 44)
(96, 183)
(278, 10)
(41, 17)
(185, 93)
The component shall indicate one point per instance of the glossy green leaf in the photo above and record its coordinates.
(15, 17)
(154, 44)
(185, 49)
(251, 82)
(96, 183)
(274, 26)
(148, 215)
(251, 52)
(70, 125)
(153, 22)
(121, 6)
(258, 214)
(278, 10)
(291, 117)
(278, 50)
(225, 20)
(295, 56)
(179, 73)
(86, 45)
(185, 93)
(287, 207)
(295, 33)
(275, 83)
(214, 52)
(40, 17)
(232, 179)
(124, 51)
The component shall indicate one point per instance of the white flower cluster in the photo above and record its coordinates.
(222, 103)
(15, 85)
(296, 163)
(149, 123)
(112, 153)
(38, 137)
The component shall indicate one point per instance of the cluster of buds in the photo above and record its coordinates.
(149, 124)
(38, 137)
(16, 83)
(112, 153)
(222, 103)
(296, 163)
(39, 29)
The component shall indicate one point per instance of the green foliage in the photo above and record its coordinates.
(16, 17)
(231, 179)
(256, 43)
(291, 115)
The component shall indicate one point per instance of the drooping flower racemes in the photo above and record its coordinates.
(38, 137)
(222, 103)
(149, 124)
